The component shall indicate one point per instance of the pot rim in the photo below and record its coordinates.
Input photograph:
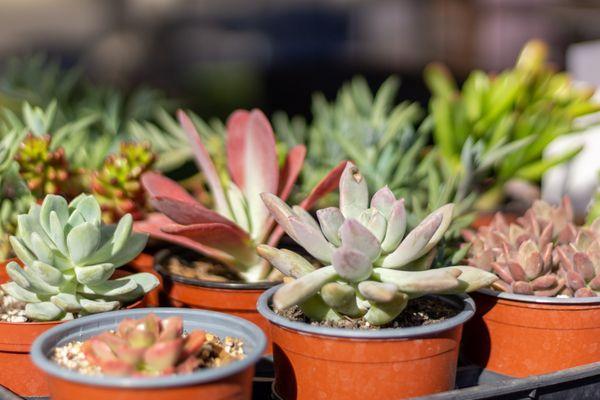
(161, 256)
(50, 338)
(526, 298)
(468, 310)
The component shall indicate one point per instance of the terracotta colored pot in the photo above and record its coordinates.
(520, 335)
(230, 382)
(17, 372)
(145, 263)
(232, 298)
(485, 218)
(313, 363)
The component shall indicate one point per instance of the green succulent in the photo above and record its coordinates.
(371, 265)
(15, 197)
(88, 121)
(530, 103)
(69, 258)
(388, 142)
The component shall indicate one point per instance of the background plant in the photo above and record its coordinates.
(543, 253)
(530, 101)
(389, 143)
(370, 268)
(69, 258)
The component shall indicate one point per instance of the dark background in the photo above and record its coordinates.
(216, 55)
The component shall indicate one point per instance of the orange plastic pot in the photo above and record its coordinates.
(313, 363)
(229, 382)
(145, 263)
(17, 372)
(520, 335)
(232, 298)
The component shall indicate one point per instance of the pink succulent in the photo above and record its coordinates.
(240, 221)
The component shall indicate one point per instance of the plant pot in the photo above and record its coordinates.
(232, 381)
(145, 263)
(17, 372)
(331, 363)
(232, 298)
(519, 335)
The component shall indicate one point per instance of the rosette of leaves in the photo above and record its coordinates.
(530, 102)
(117, 185)
(146, 347)
(370, 267)
(543, 253)
(229, 229)
(70, 257)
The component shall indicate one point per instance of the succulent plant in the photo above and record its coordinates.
(69, 258)
(147, 346)
(543, 253)
(46, 171)
(238, 221)
(15, 197)
(88, 121)
(530, 102)
(371, 269)
(388, 142)
(117, 185)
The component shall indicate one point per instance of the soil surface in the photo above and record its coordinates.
(202, 269)
(418, 312)
(215, 353)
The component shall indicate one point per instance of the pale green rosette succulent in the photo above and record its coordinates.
(69, 258)
(370, 266)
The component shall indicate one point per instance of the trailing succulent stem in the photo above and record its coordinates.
(371, 266)
(70, 257)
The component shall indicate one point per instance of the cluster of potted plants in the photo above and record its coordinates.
(343, 247)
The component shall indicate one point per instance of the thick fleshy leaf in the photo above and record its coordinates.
(94, 274)
(351, 264)
(185, 213)
(355, 236)
(414, 243)
(205, 164)
(21, 250)
(154, 222)
(170, 328)
(280, 211)
(396, 227)
(47, 273)
(237, 127)
(420, 282)
(329, 183)
(471, 278)
(383, 200)
(291, 170)
(56, 204)
(239, 207)
(225, 238)
(45, 311)
(286, 261)
(305, 216)
(379, 292)
(163, 355)
(354, 193)
(446, 211)
(311, 239)
(83, 240)
(98, 306)
(89, 209)
(341, 298)
(41, 249)
(16, 291)
(375, 222)
(157, 185)
(67, 302)
(28, 280)
(301, 289)
(330, 220)
(383, 313)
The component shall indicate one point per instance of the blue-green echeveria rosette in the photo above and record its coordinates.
(69, 256)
